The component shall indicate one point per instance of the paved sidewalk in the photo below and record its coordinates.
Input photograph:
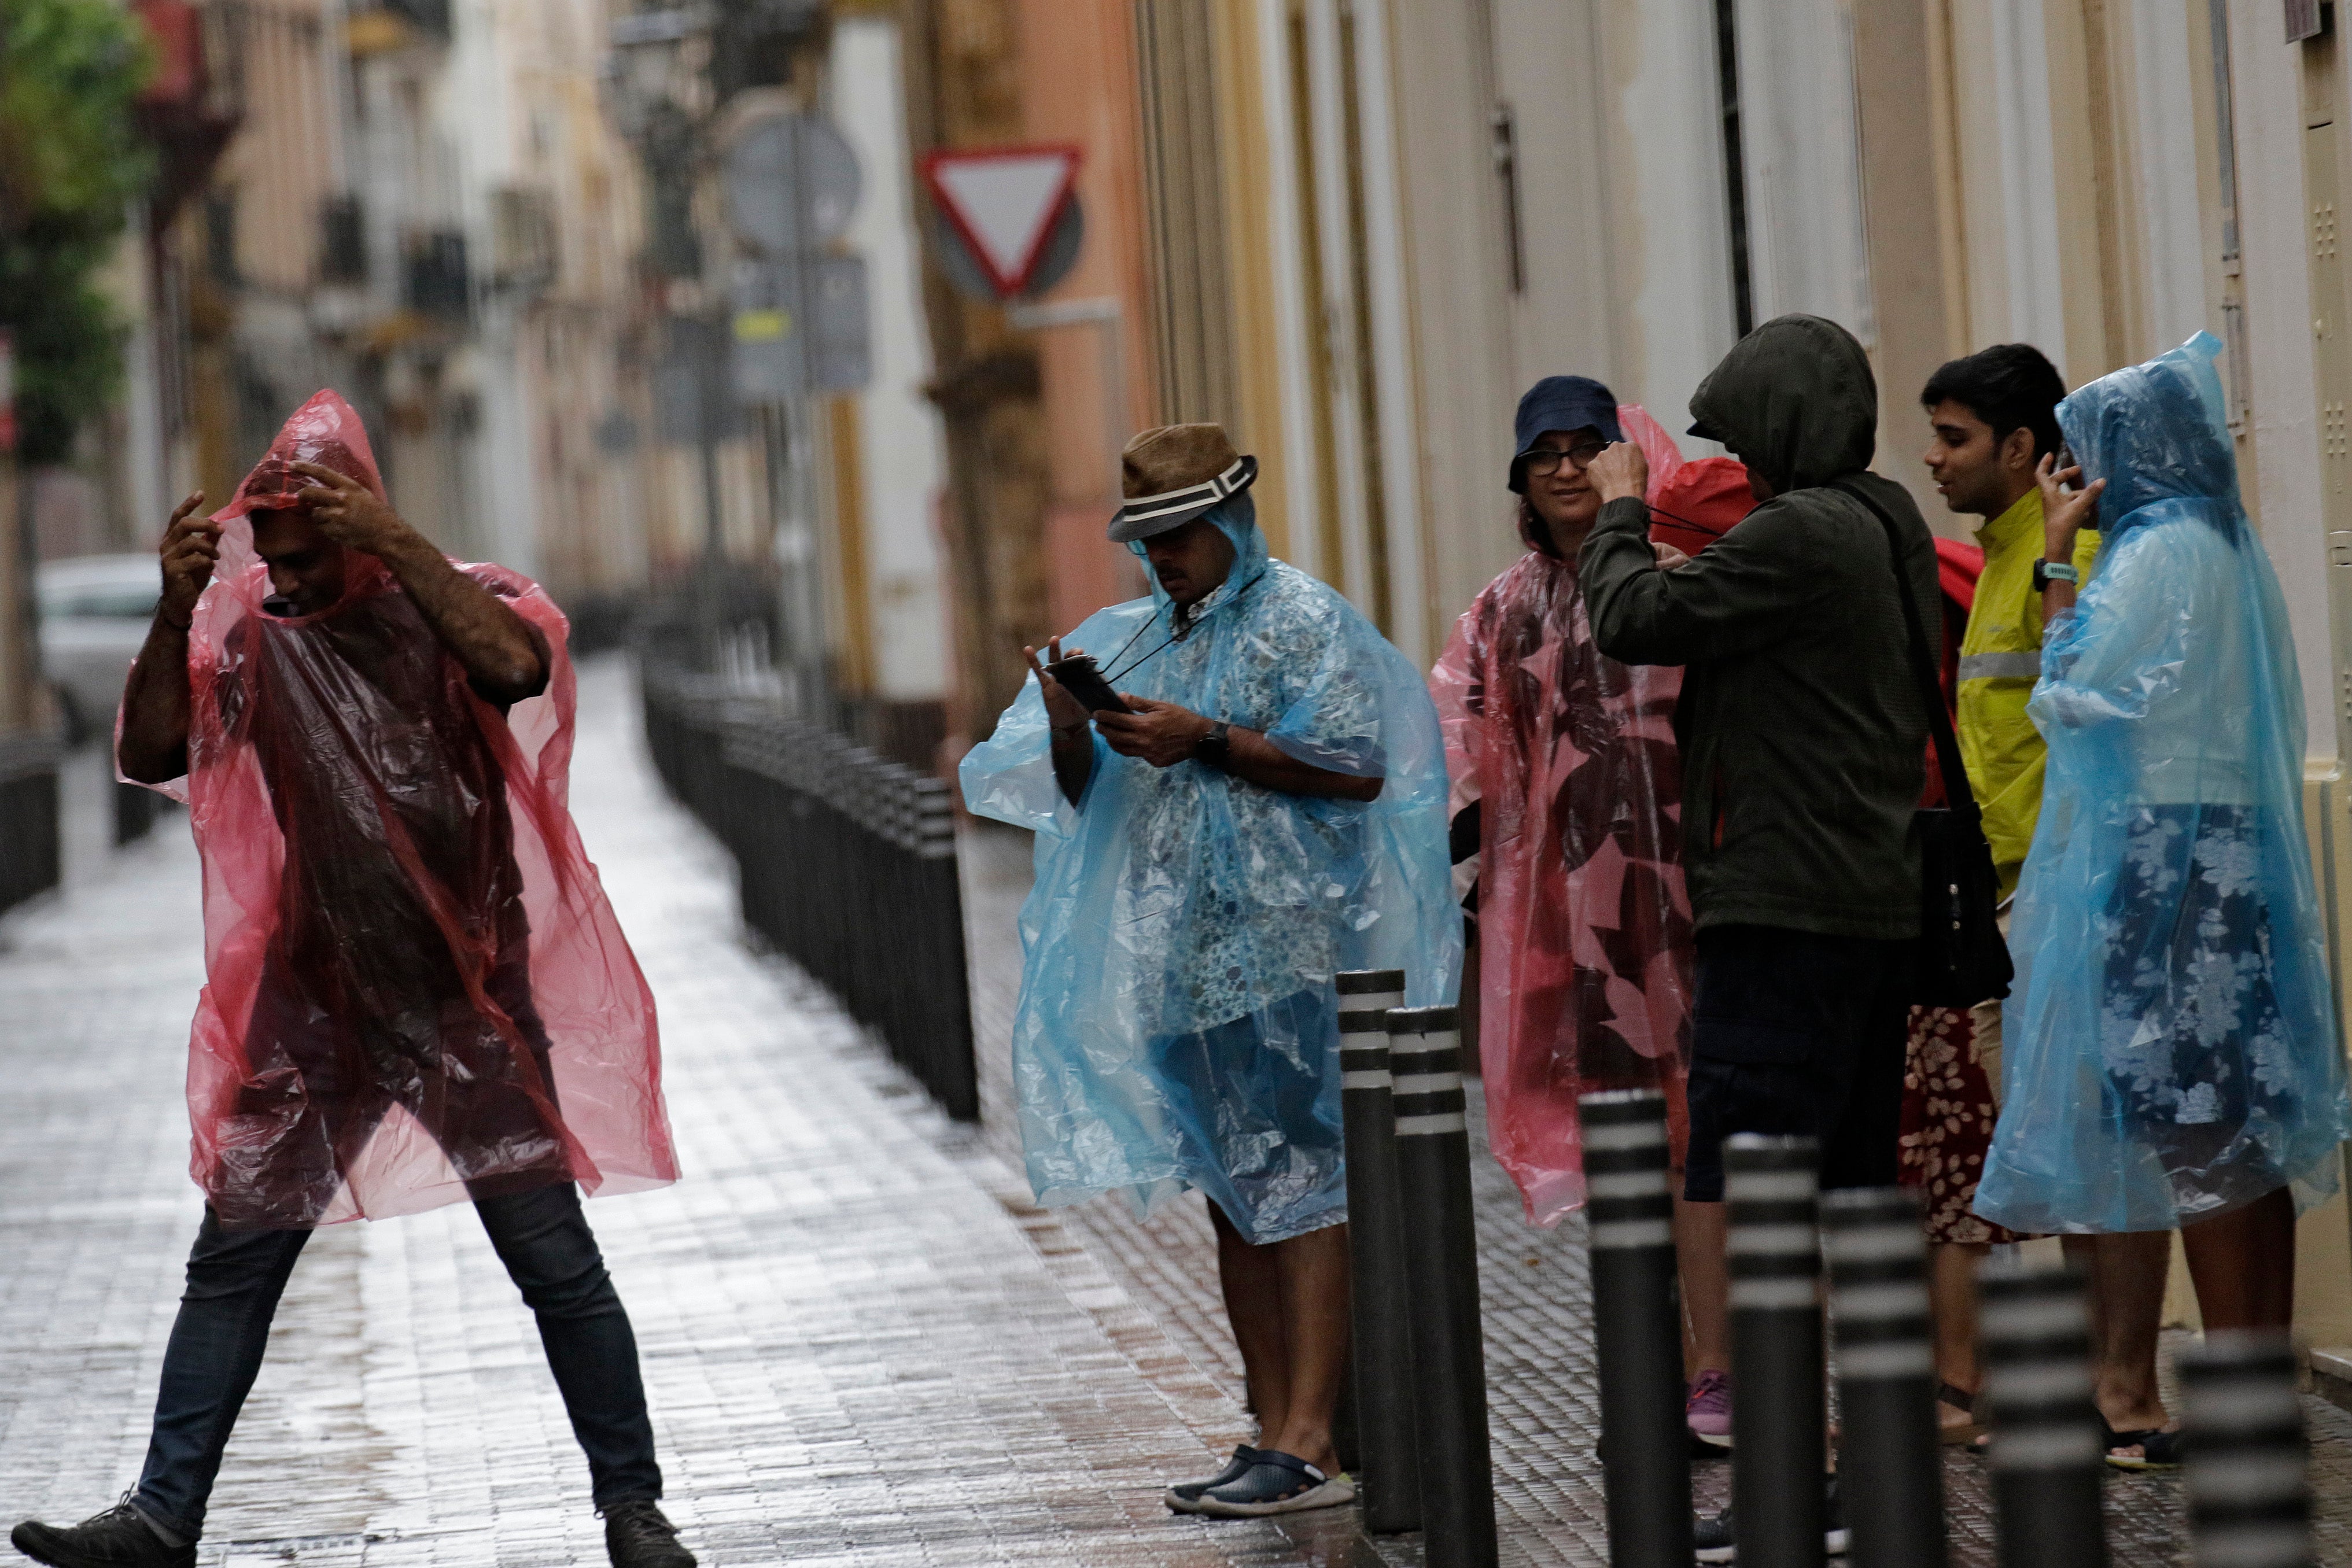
(862, 1346)
(1542, 1387)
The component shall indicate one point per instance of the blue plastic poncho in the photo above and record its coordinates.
(1176, 1025)
(2173, 1051)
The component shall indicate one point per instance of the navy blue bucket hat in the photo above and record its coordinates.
(1561, 402)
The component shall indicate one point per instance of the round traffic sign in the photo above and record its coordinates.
(792, 183)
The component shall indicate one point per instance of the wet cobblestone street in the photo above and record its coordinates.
(863, 1345)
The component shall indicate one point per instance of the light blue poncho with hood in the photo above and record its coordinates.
(2173, 1050)
(1177, 1023)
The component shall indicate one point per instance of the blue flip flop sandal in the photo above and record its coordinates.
(2160, 1449)
(1277, 1483)
(1184, 1496)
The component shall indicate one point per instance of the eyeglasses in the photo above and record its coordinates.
(1545, 459)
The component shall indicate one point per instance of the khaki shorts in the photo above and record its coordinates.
(1984, 1019)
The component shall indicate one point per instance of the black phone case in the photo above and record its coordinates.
(1084, 681)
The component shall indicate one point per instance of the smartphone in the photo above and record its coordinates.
(1082, 680)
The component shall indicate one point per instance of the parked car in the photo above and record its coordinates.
(95, 610)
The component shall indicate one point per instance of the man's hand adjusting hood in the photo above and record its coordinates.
(1795, 399)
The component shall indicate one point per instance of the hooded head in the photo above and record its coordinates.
(1795, 401)
(2155, 433)
(326, 431)
(310, 574)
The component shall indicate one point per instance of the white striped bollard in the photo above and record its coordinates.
(1441, 1256)
(2047, 1465)
(1779, 1416)
(1390, 1482)
(1890, 1454)
(1637, 1328)
(2248, 1459)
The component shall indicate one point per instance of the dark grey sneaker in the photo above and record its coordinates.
(1277, 1484)
(637, 1536)
(1184, 1497)
(1716, 1541)
(119, 1538)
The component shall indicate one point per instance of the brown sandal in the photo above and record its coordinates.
(1961, 1400)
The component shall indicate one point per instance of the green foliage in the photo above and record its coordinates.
(71, 161)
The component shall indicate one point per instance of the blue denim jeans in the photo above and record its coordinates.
(236, 1277)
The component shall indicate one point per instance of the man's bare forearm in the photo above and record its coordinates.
(1252, 756)
(154, 746)
(1167, 735)
(499, 650)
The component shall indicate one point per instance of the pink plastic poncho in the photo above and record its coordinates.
(1584, 927)
(416, 989)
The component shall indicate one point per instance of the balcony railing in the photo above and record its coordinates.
(437, 283)
(342, 241)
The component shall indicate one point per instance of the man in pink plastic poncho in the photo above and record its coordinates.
(416, 992)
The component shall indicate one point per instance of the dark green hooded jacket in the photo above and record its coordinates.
(1803, 727)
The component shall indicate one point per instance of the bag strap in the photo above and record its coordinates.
(1939, 719)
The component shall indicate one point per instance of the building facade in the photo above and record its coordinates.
(1355, 230)
(420, 203)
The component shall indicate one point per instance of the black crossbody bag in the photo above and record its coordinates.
(1962, 957)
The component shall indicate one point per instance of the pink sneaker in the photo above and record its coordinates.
(1707, 1411)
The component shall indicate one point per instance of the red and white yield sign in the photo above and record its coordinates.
(1002, 202)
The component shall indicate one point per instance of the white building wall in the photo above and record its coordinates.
(1800, 144)
(477, 116)
(1459, 277)
(903, 459)
(1551, 66)
(2166, 131)
(1623, 222)
(2009, 176)
(1673, 250)
(1398, 408)
(1322, 72)
(1293, 307)
(152, 491)
(2285, 477)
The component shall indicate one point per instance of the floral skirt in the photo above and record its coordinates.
(2190, 1035)
(1948, 1113)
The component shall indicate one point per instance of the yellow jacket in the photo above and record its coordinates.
(2000, 658)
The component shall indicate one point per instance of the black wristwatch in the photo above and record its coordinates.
(1215, 746)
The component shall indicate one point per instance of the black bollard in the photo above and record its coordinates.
(1637, 1328)
(2046, 1460)
(947, 1016)
(1890, 1457)
(2249, 1460)
(1391, 1483)
(1779, 1416)
(1441, 1258)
